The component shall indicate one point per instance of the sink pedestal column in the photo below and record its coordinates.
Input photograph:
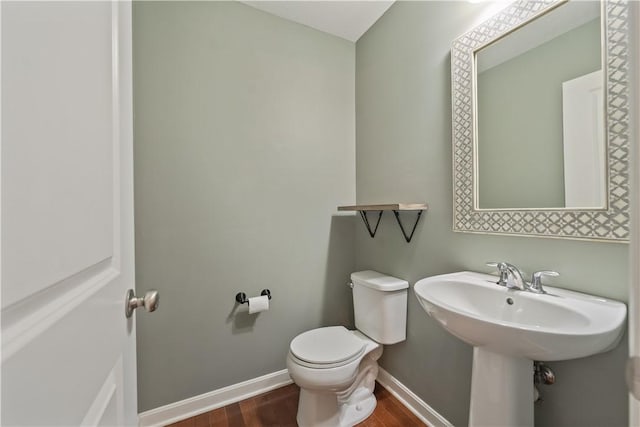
(501, 390)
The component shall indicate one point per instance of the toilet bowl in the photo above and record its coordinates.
(336, 368)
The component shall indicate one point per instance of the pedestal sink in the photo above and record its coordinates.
(509, 329)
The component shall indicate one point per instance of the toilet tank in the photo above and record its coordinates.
(380, 306)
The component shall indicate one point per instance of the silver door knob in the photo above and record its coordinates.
(150, 302)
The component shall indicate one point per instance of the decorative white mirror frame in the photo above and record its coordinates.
(605, 224)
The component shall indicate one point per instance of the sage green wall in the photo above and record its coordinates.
(244, 146)
(403, 153)
(520, 120)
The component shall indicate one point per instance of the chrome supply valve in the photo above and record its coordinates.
(542, 374)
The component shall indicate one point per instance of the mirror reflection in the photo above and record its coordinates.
(540, 134)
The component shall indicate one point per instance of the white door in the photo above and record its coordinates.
(584, 141)
(68, 353)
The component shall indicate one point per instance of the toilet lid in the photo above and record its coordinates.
(329, 345)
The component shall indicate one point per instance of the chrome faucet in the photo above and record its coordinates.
(510, 271)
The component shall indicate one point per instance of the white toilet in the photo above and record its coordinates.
(336, 368)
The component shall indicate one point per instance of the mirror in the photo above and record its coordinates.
(540, 121)
(540, 113)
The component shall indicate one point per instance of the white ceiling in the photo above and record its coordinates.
(343, 18)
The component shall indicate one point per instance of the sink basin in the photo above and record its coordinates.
(509, 329)
(559, 325)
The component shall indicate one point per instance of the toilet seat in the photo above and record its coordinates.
(327, 347)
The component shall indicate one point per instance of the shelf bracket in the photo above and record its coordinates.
(363, 214)
(404, 233)
(380, 208)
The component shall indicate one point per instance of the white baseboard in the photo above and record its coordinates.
(196, 405)
(419, 407)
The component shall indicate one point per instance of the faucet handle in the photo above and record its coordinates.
(499, 265)
(504, 272)
(536, 280)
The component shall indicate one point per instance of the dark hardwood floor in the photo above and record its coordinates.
(278, 408)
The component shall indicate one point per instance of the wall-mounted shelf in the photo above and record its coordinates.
(395, 207)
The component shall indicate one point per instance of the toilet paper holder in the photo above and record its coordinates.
(241, 297)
